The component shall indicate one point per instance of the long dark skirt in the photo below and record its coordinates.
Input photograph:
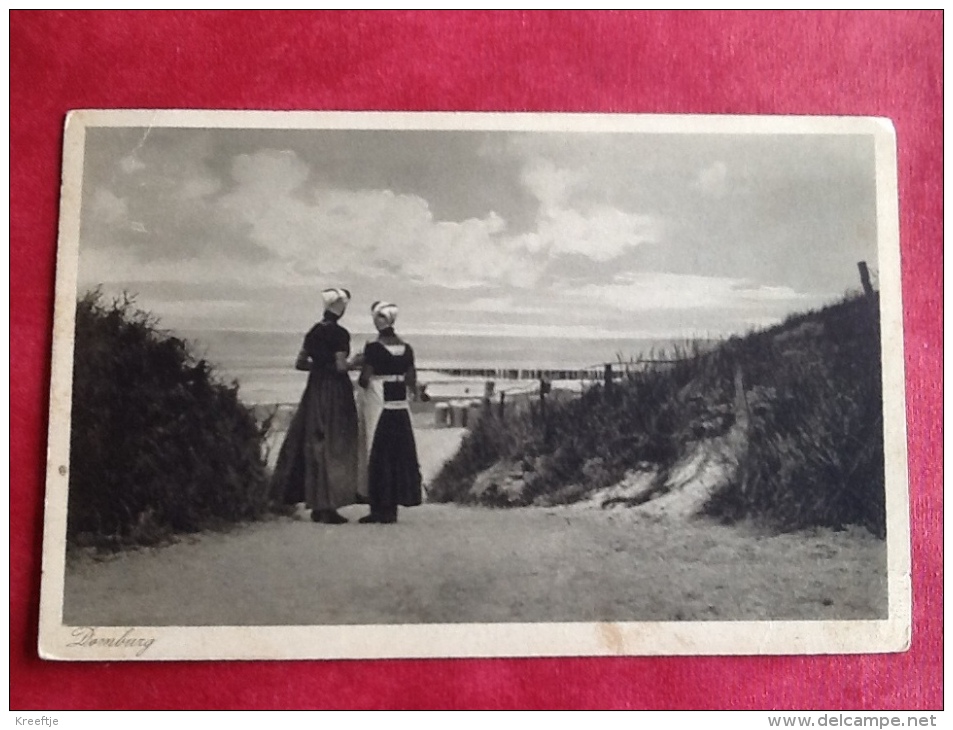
(317, 463)
(393, 472)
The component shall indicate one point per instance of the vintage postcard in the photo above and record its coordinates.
(358, 385)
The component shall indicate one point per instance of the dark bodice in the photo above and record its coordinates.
(385, 362)
(322, 342)
(392, 366)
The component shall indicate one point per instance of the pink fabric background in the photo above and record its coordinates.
(869, 63)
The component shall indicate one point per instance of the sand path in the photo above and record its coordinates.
(446, 564)
(443, 563)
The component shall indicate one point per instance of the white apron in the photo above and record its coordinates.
(370, 406)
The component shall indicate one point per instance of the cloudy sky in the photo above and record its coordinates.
(481, 232)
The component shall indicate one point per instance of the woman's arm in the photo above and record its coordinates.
(356, 362)
(367, 372)
(411, 381)
(304, 361)
(340, 362)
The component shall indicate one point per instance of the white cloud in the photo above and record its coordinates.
(312, 231)
(199, 187)
(712, 179)
(649, 292)
(270, 171)
(123, 265)
(601, 234)
(498, 305)
(333, 231)
(526, 330)
(107, 207)
(192, 210)
(565, 226)
(130, 164)
(549, 184)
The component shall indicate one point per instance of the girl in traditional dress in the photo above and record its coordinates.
(318, 460)
(390, 472)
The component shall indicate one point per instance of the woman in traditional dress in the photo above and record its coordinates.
(318, 460)
(389, 453)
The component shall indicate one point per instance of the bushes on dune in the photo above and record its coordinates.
(593, 439)
(815, 446)
(157, 443)
(814, 439)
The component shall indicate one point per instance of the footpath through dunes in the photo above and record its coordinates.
(447, 563)
(450, 564)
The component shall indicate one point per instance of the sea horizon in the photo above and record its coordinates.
(262, 362)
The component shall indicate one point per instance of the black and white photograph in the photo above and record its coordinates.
(351, 385)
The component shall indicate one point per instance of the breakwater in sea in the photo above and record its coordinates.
(491, 373)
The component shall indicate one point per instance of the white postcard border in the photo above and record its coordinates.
(57, 641)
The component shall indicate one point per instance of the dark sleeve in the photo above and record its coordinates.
(340, 341)
(367, 367)
(410, 375)
(315, 344)
(323, 341)
(372, 355)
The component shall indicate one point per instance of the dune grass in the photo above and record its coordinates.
(814, 443)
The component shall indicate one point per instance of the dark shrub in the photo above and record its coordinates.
(157, 443)
(815, 454)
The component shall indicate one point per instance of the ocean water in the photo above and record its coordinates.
(263, 362)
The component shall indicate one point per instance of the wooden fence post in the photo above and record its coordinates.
(544, 388)
(501, 412)
(743, 424)
(865, 279)
(440, 412)
(488, 387)
(873, 303)
(742, 414)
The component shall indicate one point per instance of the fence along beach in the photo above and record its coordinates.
(518, 385)
(591, 373)
(457, 398)
(454, 392)
(462, 375)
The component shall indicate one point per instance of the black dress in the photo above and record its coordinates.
(391, 466)
(318, 460)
